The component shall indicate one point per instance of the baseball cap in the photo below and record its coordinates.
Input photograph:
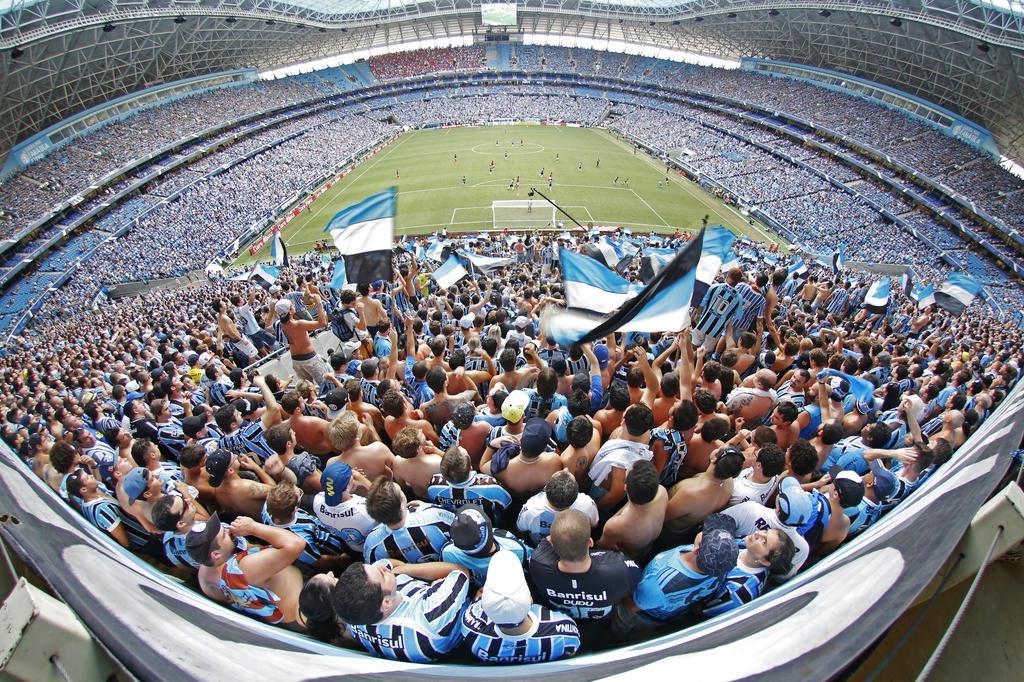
(245, 406)
(334, 480)
(514, 406)
(849, 486)
(463, 415)
(601, 352)
(506, 597)
(135, 483)
(336, 400)
(191, 426)
(282, 307)
(885, 482)
(193, 358)
(217, 465)
(368, 366)
(522, 322)
(718, 551)
(467, 321)
(536, 435)
(471, 530)
(840, 387)
(795, 508)
(201, 539)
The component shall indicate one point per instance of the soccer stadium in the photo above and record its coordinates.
(553, 338)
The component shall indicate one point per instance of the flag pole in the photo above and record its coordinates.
(534, 190)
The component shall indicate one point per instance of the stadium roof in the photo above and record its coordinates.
(60, 57)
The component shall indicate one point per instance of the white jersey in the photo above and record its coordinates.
(744, 489)
(248, 320)
(537, 515)
(752, 516)
(348, 520)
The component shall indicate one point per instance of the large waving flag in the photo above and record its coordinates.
(716, 244)
(264, 275)
(603, 252)
(278, 250)
(923, 295)
(591, 286)
(662, 306)
(450, 272)
(653, 262)
(877, 299)
(363, 233)
(957, 292)
(798, 268)
(839, 259)
(907, 282)
(485, 264)
(339, 280)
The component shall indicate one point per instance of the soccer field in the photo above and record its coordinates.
(443, 181)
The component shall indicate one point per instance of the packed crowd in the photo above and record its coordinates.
(449, 484)
(387, 67)
(499, 106)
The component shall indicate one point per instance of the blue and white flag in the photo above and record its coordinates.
(839, 259)
(485, 264)
(435, 250)
(659, 307)
(957, 292)
(602, 252)
(716, 244)
(264, 275)
(923, 295)
(798, 268)
(653, 262)
(591, 286)
(338, 277)
(278, 250)
(450, 272)
(907, 282)
(364, 234)
(877, 299)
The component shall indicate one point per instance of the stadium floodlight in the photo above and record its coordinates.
(523, 214)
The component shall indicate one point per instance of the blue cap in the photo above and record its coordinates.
(840, 388)
(601, 351)
(135, 483)
(885, 482)
(334, 481)
(794, 506)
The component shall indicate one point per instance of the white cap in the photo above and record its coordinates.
(506, 596)
(467, 321)
(522, 322)
(283, 307)
(275, 289)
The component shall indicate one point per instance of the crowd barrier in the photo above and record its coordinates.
(810, 628)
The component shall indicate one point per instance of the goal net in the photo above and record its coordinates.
(523, 214)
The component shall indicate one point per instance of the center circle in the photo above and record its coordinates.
(512, 149)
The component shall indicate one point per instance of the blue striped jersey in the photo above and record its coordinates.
(425, 532)
(449, 435)
(170, 471)
(839, 302)
(248, 438)
(424, 626)
(103, 512)
(932, 426)
(320, 541)
(548, 354)
(105, 458)
(753, 307)
(369, 389)
(863, 515)
(675, 449)
(137, 534)
(175, 551)
(170, 438)
(669, 587)
(742, 585)
(540, 406)
(478, 565)
(785, 392)
(551, 636)
(478, 489)
(577, 366)
(721, 305)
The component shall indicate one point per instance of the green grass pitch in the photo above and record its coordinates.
(432, 194)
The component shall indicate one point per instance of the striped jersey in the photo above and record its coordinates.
(105, 458)
(669, 587)
(675, 451)
(176, 552)
(103, 512)
(248, 438)
(425, 532)
(742, 585)
(753, 307)
(170, 438)
(320, 541)
(537, 515)
(839, 302)
(551, 636)
(786, 392)
(540, 406)
(478, 565)
(449, 435)
(721, 305)
(424, 626)
(369, 389)
(478, 489)
(348, 520)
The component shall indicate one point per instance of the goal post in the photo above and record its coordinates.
(523, 214)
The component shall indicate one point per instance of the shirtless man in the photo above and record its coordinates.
(693, 500)
(705, 440)
(635, 527)
(417, 460)
(398, 416)
(346, 433)
(753, 404)
(259, 581)
(229, 331)
(584, 442)
(304, 467)
(529, 471)
(611, 417)
(310, 432)
(306, 363)
(617, 456)
(234, 493)
(784, 424)
(370, 309)
(360, 407)
(466, 431)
